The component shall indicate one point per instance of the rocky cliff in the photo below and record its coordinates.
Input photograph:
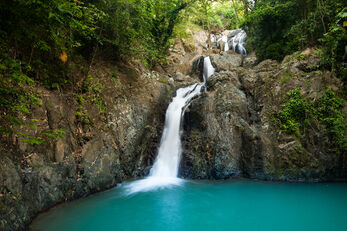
(232, 129)
(112, 129)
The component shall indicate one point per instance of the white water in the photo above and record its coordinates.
(225, 41)
(213, 38)
(208, 68)
(238, 42)
(165, 169)
(169, 154)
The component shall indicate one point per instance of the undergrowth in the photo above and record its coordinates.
(298, 113)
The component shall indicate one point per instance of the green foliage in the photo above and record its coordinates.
(278, 28)
(180, 30)
(335, 46)
(39, 38)
(37, 165)
(213, 14)
(162, 80)
(267, 25)
(87, 83)
(34, 140)
(295, 113)
(45, 35)
(140, 28)
(287, 75)
(329, 112)
(80, 99)
(18, 123)
(55, 134)
(298, 113)
(95, 92)
(80, 114)
(14, 91)
(52, 134)
(115, 72)
(98, 99)
(225, 16)
(16, 98)
(39, 33)
(83, 117)
(299, 56)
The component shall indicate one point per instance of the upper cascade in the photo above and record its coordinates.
(231, 39)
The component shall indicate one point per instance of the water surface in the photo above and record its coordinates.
(219, 205)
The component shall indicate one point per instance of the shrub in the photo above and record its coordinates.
(298, 112)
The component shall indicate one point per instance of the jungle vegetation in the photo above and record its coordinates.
(41, 39)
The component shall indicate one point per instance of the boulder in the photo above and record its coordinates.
(226, 61)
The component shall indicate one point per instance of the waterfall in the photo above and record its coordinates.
(225, 41)
(208, 68)
(165, 169)
(169, 154)
(238, 42)
(237, 38)
(213, 38)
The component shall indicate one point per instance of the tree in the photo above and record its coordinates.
(276, 28)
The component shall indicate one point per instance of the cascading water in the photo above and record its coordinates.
(225, 40)
(208, 68)
(213, 38)
(238, 42)
(167, 162)
(165, 169)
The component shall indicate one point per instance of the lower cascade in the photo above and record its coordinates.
(165, 169)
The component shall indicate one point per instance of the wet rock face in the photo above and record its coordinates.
(198, 66)
(230, 130)
(118, 146)
(214, 130)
